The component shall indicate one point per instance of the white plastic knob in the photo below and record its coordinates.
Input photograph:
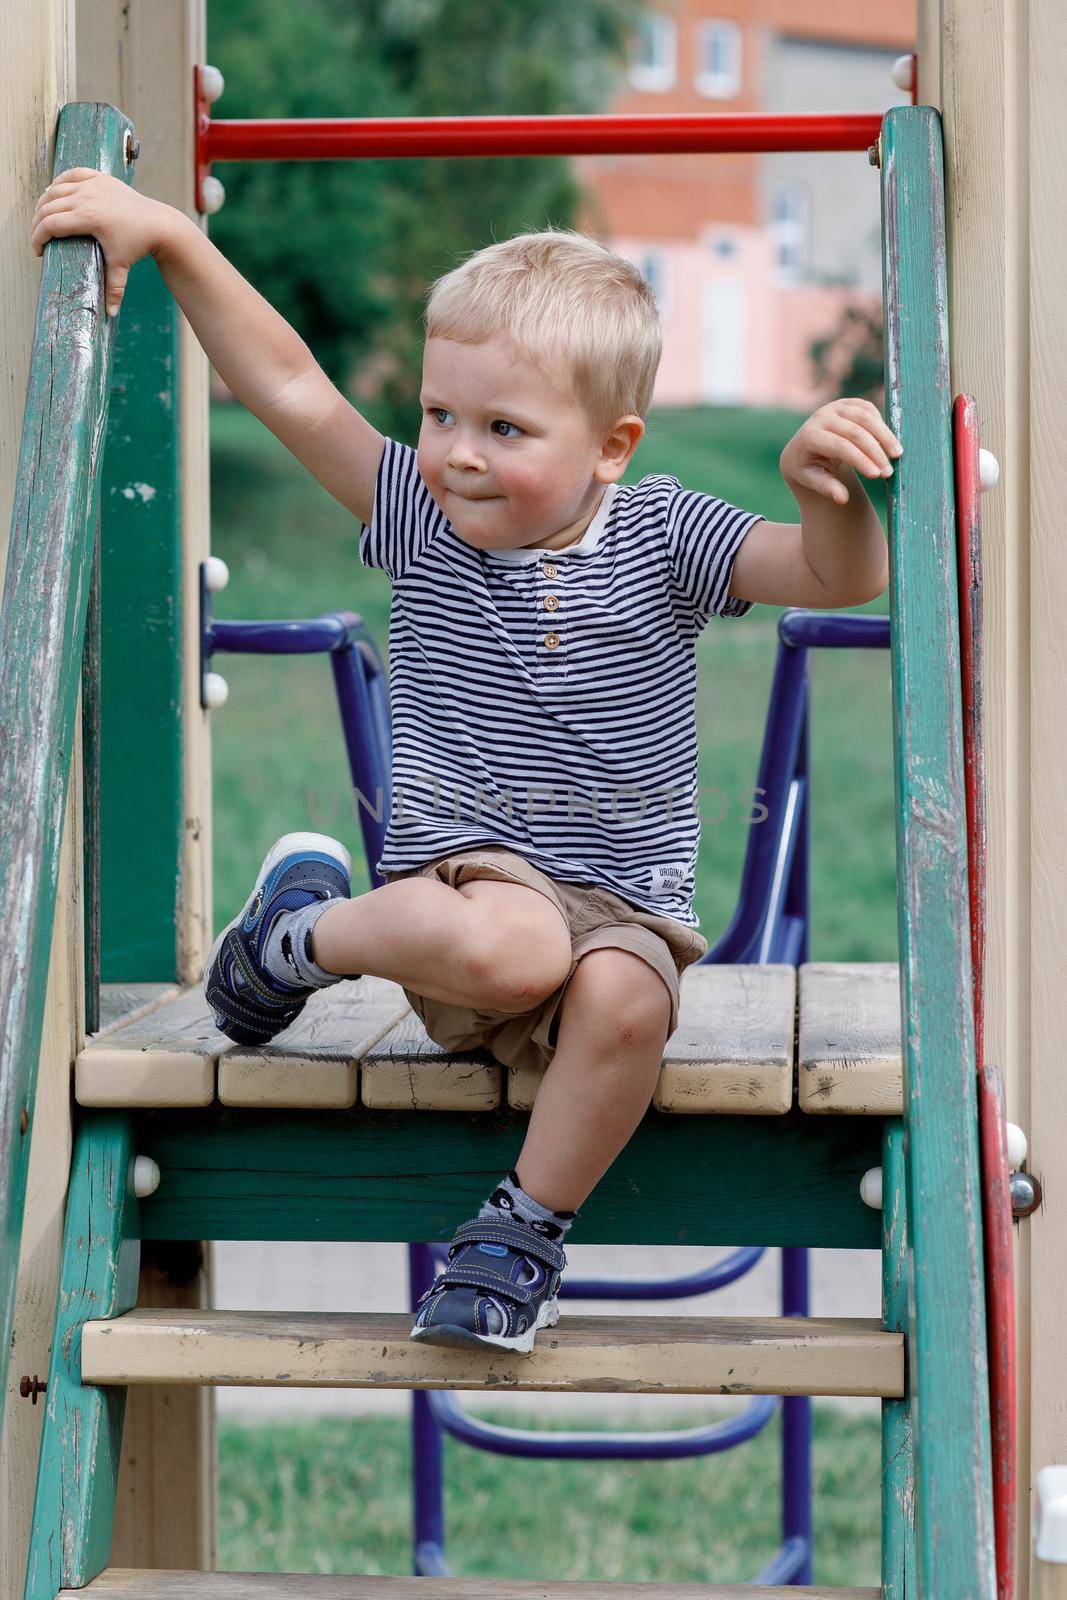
(1017, 1146)
(871, 1188)
(216, 690)
(901, 73)
(145, 1176)
(988, 470)
(212, 196)
(212, 84)
(216, 574)
(1049, 1526)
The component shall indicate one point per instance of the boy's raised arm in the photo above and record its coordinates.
(260, 358)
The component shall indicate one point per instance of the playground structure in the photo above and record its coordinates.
(826, 1156)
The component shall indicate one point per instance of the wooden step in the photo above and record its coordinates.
(731, 1053)
(849, 1039)
(129, 1583)
(361, 1044)
(635, 1355)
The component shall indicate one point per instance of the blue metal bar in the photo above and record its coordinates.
(797, 1530)
(427, 1448)
(829, 630)
(362, 697)
(717, 1276)
(787, 1565)
(796, 1426)
(661, 1445)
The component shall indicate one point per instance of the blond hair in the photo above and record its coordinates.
(561, 298)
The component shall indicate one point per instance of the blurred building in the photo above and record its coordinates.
(751, 257)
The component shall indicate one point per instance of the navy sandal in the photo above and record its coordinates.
(249, 1004)
(497, 1288)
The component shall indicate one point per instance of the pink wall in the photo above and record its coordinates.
(755, 343)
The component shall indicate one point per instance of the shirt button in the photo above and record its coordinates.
(549, 570)
(551, 640)
(551, 602)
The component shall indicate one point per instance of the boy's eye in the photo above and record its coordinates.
(438, 413)
(499, 423)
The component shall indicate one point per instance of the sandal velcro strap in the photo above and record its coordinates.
(265, 995)
(516, 1235)
(487, 1278)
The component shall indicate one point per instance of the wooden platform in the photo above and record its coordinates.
(588, 1355)
(360, 1043)
(119, 1583)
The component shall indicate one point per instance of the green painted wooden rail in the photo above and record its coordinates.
(947, 1339)
(42, 627)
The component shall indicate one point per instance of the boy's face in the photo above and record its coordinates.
(506, 451)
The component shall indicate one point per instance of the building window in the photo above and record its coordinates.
(654, 64)
(791, 230)
(719, 59)
(653, 268)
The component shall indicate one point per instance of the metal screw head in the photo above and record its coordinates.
(1025, 1194)
(874, 154)
(131, 147)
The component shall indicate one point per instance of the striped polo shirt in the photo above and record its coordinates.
(545, 700)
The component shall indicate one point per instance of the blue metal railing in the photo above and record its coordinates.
(769, 924)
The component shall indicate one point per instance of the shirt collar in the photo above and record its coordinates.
(584, 546)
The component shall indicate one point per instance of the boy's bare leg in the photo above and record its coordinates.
(598, 1085)
(486, 944)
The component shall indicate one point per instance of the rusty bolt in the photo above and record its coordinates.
(24, 1121)
(132, 148)
(32, 1386)
(874, 155)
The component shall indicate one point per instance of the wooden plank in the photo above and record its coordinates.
(899, 1581)
(41, 1247)
(164, 1057)
(407, 1071)
(116, 1584)
(732, 1052)
(948, 1339)
(49, 562)
(38, 72)
(139, 55)
(165, 1501)
(849, 1039)
(588, 1355)
(121, 1003)
(250, 1174)
(315, 1062)
(74, 1508)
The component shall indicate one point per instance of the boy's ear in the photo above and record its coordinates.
(617, 449)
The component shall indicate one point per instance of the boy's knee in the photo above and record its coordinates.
(515, 974)
(631, 1000)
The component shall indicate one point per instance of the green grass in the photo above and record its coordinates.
(278, 756)
(333, 1495)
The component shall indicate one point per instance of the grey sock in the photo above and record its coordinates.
(287, 956)
(511, 1198)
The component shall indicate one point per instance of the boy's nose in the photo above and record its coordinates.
(464, 457)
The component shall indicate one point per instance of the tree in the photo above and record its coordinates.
(347, 250)
(849, 359)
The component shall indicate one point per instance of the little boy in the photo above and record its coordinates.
(539, 857)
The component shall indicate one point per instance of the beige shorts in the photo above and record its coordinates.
(597, 919)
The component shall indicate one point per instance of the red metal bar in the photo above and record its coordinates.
(348, 138)
(992, 1132)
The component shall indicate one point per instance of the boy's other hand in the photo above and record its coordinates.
(84, 201)
(845, 433)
